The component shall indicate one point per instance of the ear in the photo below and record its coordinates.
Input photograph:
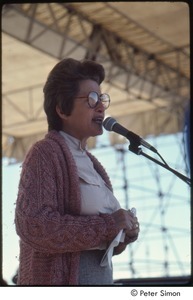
(60, 113)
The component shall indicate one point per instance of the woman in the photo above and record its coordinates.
(66, 214)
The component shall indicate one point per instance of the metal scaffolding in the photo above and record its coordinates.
(87, 31)
(148, 77)
(163, 206)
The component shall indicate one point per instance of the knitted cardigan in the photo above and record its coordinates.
(47, 217)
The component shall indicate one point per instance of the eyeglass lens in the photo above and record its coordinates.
(93, 99)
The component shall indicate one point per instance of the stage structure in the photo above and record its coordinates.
(148, 78)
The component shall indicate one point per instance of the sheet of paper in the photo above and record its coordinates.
(107, 257)
(109, 253)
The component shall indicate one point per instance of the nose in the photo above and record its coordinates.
(100, 107)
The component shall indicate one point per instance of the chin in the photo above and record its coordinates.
(100, 132)
(96, 133)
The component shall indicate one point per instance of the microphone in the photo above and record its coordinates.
(111, 124)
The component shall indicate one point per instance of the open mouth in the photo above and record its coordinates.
(98, 120)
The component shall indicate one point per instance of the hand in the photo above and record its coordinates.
(124, 219)
(119, 249)
(132, 235)
(129, 238)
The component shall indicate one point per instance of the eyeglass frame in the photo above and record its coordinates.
(99, 99)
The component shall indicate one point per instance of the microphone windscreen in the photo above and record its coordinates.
(108, 123)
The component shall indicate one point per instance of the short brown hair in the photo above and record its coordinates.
(62, 86)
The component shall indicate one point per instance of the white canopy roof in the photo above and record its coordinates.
(144, 47)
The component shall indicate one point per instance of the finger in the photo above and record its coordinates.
(129, 225)
(132, 217)
(136, 225)
(132, 232)
(133, 210)
(130, 213)
(134, 222)
(131, 239)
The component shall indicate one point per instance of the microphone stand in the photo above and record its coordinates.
(134, 147)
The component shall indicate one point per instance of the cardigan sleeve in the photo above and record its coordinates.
(38, 219)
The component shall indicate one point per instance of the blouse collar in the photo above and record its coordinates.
(73, 142)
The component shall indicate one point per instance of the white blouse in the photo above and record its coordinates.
(96, 197)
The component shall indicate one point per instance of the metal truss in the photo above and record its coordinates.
(28, 124)
(160, 199)
(138, 62)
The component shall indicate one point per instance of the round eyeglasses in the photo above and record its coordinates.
(93, 99)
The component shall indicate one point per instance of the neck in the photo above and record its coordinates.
(83, 144)
(83, 141)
